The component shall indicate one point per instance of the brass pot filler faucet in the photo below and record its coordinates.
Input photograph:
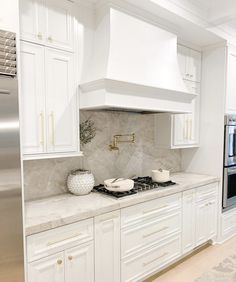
(119, 139)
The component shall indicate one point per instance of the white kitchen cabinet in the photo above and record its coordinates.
(188, 221)
(206, 220)
(60, 101)
(48, 23)
(33, 105)
(189, 63)
(47, 269)
(178, 131)
(31, 20)
(107, 247)
(49, 101)
(182, 130)
(79, 263)
(231, 82)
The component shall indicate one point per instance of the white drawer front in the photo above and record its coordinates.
(143, 212)
(140, 266)
(141, 236)
(205, 192)
(58, 239)
(228, 223)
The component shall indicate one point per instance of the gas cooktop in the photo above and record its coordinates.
(140, 184)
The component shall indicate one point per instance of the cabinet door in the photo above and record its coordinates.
(31, 20)
(202, 221)
(48, 269)
(194, 65)
(231, 83)
(60, 101)
(183, 53)
(59, 24)
(32, 95)
(107, 247)
(188, 229)
(79, 263)
(212, 223)
(186, 127)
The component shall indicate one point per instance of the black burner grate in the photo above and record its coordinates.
(140, 184)
(101, 189)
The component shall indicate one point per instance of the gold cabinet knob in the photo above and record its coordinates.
(40, 35)
(50, 38)
(59, 261)
(70, 257)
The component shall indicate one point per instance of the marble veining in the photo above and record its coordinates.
(44, 178)
(64, 209)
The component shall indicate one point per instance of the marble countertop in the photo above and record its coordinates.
(48, 213)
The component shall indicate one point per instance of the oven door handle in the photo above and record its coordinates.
(230, 171)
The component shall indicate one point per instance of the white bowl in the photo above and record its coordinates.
(160, 175)
(120, 185)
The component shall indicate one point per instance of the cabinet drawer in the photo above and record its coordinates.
(58, 239)
(143, 212)
(145, 263)
(141, 236)
(205, 192)
(228, 223)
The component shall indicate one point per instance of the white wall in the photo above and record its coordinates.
(9, 15)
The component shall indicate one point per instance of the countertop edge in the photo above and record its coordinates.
(38, 228)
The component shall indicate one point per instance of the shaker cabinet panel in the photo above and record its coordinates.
(188, 221)
(32, 88)
(59, 24)
(107, 247)
(31, 20)
(60, 101)
(189, 63)
(47, 269)
(49, 23)
(79, 263)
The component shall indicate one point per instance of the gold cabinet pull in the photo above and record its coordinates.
(155, 232)
(53, 129)
(70, 258)
(155, 209)
(42, 128)
(50, 38)
(153, 260)
(62, 240)
(59, 261)
(40, 36)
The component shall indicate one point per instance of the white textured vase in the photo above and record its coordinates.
(80, 182)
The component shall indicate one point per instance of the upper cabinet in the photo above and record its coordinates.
(48, 23)
(231, 82)
(48, 101)
(189, 63)
(182, 130)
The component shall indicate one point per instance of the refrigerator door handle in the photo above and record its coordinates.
(4, 92)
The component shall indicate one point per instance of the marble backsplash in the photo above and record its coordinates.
(45, 178)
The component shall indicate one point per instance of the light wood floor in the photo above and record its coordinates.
(196, 265)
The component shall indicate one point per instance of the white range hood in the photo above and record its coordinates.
(134, 67)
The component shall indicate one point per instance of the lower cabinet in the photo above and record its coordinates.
(126, 245)
(79, 263)
(73, 265)
(188, 221)
(199, 216)
(47, 269)
(107, 247)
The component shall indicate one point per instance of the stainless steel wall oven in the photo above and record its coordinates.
(229, 174)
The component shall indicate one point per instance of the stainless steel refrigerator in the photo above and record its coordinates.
(11, 223)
